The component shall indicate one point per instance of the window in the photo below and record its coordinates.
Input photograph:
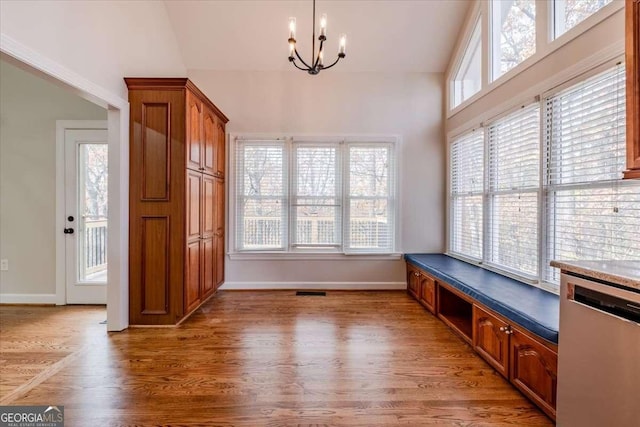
(304, 204)
(583, 209)
(261, 195)
(513, 27)
(467, 182)
(514, 182)
(468, 78)
(569, 13)
(591, 214)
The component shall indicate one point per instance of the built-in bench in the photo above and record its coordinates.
(532, 308)
(512, 325)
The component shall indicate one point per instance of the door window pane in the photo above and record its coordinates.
(92, 195)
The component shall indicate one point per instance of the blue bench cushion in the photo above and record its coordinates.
(530, 307)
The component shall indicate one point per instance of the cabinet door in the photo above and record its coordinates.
(210, 138)
(194, 205)
(491, 340)
(192, 276)
(427, 292)
(208, 206)
(219, 234)
(533, 370)
(413, 281)
(220, 158)
(632, 52)
(194, 132)
(208, 267)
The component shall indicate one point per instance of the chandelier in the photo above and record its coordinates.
(317, 64)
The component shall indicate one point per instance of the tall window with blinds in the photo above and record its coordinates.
(290, 195)
(513, 191)
(591, 214)
(261, 195)
(466, 197)
(370, 198)
(316, 203)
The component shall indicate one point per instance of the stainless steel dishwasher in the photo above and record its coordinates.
(598, 354)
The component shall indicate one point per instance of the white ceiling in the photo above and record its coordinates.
(382, 36)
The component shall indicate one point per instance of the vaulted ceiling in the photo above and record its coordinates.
(382, 36)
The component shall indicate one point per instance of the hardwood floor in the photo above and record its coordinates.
(276, 359)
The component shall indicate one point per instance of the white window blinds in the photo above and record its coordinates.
(261, 195)
(370, 198)
(467, 186)
(316, 208)
(591, 214)
(514, 183)
(290, 195)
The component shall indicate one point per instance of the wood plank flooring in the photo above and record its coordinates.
(276, 359)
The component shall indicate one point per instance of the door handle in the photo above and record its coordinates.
(68, 231)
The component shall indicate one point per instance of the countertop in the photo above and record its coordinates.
(624, 273)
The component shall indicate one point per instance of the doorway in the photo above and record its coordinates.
(86, 219)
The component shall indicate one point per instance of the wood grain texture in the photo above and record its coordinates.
(490, 340)
(632, 54)
(275, 359)
(153, 113)
(35, 341)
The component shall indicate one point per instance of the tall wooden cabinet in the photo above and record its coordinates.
(633, 87)
(176, 199)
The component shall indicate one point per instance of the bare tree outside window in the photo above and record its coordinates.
(514, 33)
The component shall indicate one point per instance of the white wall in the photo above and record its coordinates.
(333, 102)
(103, 41)
(29, 108)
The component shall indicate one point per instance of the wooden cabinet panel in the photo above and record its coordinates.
(491, 340)
(210, 137)
(219, 234)
(155, 152)
(533, 370)
(209, 208)
(194, 132)
(194, 192)
(632, 52)
(192, 276)
(208, 267)
(427, 292)
(413, 281)
(220, 155)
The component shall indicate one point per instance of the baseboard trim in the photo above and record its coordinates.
(49, 299)
(335, 286)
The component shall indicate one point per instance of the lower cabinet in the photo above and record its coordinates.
(533, 370)
(413, 281)
(422, 287)
(427, 294)
(528, 363)
(491, 340)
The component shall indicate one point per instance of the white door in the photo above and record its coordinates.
(86, 215)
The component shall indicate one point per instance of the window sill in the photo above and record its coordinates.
(290, 256)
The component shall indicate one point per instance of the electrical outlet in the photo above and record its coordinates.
(4, 265)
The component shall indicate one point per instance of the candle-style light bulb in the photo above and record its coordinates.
(323, 25)
(292, 49)
(292, 28)
(343, 44)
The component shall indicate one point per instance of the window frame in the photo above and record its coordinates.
(475, 37)
(311, 253)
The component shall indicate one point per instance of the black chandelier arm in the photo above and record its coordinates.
(299, 68)
(301, 60)
(315, 64)
(336, 61)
